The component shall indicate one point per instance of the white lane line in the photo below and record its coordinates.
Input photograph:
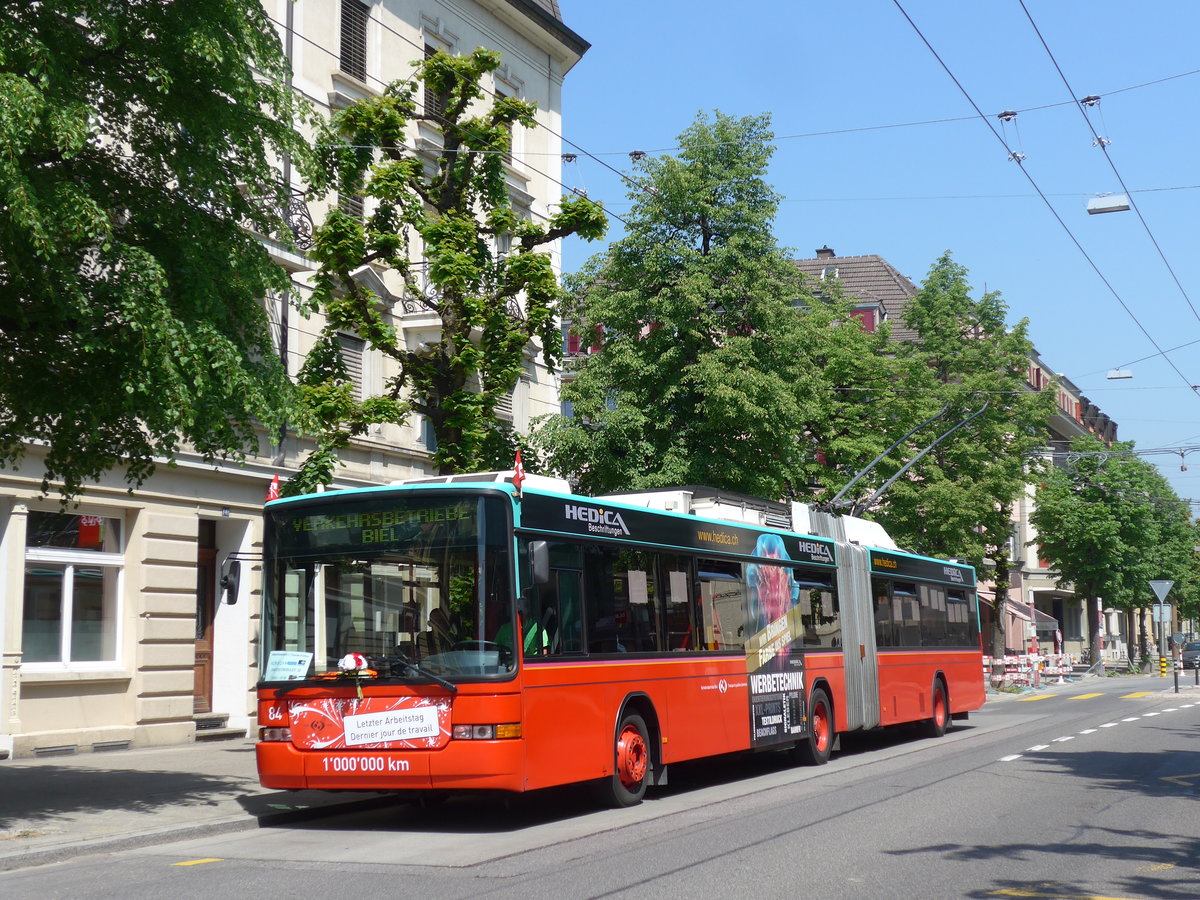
(1089, 731)
(1131, 719)
(1036, 748)
(1148, 715)
(1010, 758)
(1110, 724)
(1069, 737)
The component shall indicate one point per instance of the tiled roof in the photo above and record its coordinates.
(869, 278)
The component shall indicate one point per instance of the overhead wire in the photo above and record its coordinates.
(1102, 143)
(1020, 163)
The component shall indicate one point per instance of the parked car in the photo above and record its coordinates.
(1191, 655)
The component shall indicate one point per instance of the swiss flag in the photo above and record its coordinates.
(518, 473)
(273, 490)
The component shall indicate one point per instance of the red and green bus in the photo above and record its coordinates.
(461, 634)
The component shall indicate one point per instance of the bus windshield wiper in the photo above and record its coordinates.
(403, 662)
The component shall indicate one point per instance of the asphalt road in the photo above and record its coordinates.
(1081, 792)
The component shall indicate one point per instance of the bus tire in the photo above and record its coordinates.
(815, 747)
(631, 763)
(936, 725)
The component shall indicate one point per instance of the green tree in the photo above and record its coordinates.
(136, 139)
(713, 350)
(446, 227)
(959, 502)
(1108, 522)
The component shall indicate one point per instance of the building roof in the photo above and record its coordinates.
(868, 278)
(548, 14)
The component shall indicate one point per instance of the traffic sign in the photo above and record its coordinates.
(1160, 612)
(1161, 588)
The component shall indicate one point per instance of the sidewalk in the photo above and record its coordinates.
(58, 807)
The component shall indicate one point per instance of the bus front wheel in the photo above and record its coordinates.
(814, 749)
(631, 763)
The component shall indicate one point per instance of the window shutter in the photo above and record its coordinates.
(353, 60)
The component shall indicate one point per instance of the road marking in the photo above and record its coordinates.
(1010, 758)
(1037, 697)
(1069, 737)
(1036, 748)
(197, 862)
(1184, 780)
(1148, 715)
(1131, 719)
(1136, 695)
(1084, 696)
(1053, 895)
(1110, 724)
(1089, 731)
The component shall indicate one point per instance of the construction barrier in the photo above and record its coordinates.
(1031, 668)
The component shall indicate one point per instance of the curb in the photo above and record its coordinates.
(42, 856)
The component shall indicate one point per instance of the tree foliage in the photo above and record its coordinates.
(716, 363)
(135, 146)
(1108, 523)
(437, 218)
(959, 501)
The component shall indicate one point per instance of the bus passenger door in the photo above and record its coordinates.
(860, 659)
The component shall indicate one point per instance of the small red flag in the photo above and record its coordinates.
(273, 490)
(518, 474)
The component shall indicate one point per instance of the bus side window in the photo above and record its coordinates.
(906, 614)
(557, 605)
(678, 625)
(722, 604)
(884, 632)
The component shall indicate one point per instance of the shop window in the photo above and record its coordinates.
(72, 578)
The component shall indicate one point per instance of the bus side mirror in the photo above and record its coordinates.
(230, 579)
(539, 562)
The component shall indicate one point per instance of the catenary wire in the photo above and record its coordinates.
(1103, 145)
(1043, 196)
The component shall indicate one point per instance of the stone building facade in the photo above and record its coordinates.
(116, 629)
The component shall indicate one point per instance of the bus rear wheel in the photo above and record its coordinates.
(631, 763)
(814, 749)
(936, 725)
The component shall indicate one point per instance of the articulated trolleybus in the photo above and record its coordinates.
(458, 633)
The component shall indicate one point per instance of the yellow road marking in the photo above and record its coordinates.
(1184, 780)
(1134, 696)
(1038, 697)
(1084, 696)
(197, 862)
(1056, 895)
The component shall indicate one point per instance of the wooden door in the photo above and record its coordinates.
(206, 607)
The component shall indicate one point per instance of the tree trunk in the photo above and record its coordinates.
(1094, 630)
(1000, 617)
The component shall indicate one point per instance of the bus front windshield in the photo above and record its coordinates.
(419, 583)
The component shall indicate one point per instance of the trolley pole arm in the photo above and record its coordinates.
(866, 504)
(837, 502)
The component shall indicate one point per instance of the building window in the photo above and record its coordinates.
(73, 567)
(353, 59)
(433, 103)
(352, 349)
(829, 273)
(351, 205)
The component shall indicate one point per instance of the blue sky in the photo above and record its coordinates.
(836, 76)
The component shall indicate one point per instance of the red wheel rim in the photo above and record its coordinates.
(820, 726)
(939, 708)
(632, 757)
